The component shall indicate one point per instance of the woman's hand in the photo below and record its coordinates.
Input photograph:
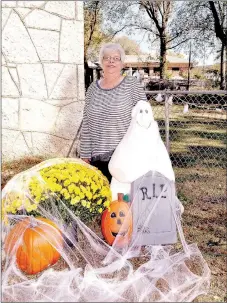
(86, 160)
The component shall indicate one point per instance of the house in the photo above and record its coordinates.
(150, 64)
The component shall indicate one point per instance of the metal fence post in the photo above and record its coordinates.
(167, 123)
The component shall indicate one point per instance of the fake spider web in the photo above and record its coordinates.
(90, 270)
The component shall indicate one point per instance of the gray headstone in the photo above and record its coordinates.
(153, 220)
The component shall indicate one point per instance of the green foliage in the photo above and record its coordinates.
(130, 47)
(198, 75)
(94, 35)
(168, 75)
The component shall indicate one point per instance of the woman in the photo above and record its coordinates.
(108, 106)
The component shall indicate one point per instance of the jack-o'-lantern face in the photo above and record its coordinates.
(117, 224)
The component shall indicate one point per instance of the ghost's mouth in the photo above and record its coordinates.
(119, 234)
(143, 124)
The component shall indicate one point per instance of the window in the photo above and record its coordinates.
(156, 69)
(175, 68)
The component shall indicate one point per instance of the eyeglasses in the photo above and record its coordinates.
(108, 58)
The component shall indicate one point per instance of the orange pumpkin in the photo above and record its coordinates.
(112, 223)
(37, 247)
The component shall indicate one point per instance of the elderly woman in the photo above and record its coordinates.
(108, 106)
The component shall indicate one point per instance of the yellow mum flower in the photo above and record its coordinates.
(66, 182)
(89, 195)
(99, 201)
(106, 204)
(67, 196)
(75, 200)
(82, 196)
(84, 203)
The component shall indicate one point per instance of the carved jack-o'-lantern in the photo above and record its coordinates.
(117, 223)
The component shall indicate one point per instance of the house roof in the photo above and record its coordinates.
(140, 58)
(153, 58)
(175, 59)
(144, 59)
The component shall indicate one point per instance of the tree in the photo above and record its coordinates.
(93, 35)
(154, 17)
(219, 13)
(159, 13)
(130, 46)
(207, 28)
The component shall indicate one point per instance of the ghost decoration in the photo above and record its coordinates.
(140, 151)
(186, 107)
(159, 98)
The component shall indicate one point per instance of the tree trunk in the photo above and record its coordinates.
(88, 74)
(163, 63)
(222, 80)
(226, 67)
(219, 28)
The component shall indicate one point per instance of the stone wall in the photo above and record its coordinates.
(42, 77)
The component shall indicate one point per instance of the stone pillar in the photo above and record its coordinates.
(42, 77)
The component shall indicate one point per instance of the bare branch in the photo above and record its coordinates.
(160, 11)
(151, 13)
(119, 30)
(148, 29)
(176, 36)
(183, 41)
(168, 11)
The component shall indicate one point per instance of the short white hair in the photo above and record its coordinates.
(112, 47)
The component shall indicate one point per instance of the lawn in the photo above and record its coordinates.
(198, 154)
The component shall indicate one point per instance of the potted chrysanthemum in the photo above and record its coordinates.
(60, 187)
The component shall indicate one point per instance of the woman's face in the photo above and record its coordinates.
(111, 62)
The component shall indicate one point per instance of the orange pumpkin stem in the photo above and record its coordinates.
(120, 197)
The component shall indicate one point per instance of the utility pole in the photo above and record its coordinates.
(189, 65)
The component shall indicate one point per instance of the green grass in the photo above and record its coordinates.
(198, 154)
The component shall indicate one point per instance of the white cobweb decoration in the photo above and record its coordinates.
(90, 270)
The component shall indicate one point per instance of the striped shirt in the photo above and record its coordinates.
(106, 118)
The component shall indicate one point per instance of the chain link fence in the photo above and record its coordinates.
(193, 126)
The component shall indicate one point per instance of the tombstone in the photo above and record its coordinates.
(154, 202)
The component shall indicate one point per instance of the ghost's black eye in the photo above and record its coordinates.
(146, 111)
(121, 214)
(113, 215)
(141, 111)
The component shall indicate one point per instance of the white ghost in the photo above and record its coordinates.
(186, 107)
(140, 151)
(159, 98)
